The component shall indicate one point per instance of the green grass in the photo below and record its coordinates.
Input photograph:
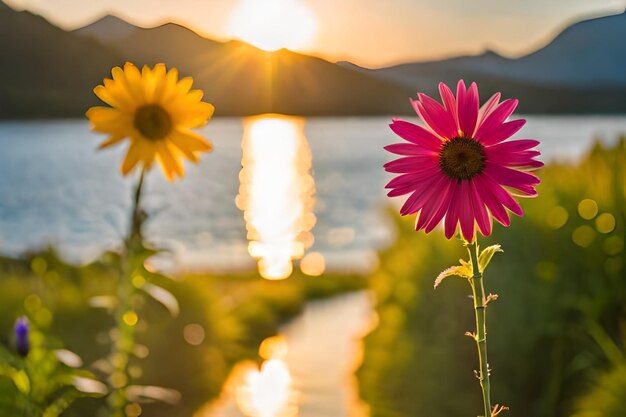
(559, 323)
(236, 311)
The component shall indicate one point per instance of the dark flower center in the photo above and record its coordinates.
(462, 158)
(153, 122)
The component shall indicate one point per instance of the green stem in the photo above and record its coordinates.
(480, 306)
(125, 315)
(134, 234)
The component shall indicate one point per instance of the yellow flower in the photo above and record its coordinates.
(156, 112)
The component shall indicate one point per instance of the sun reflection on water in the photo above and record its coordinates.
(307, 370)
(276, 192)
(268, 392)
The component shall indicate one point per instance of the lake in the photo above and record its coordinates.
(307, 370)
(57, 189)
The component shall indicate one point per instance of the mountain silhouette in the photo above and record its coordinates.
(45, 71)
(52, 72)
(107, 29)
(581, 70)
(49, 72)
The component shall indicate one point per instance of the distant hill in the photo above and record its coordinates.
(242, 80)
(52, 72)
(45, 71)
(48, 72)
(582, 70)
(591, 53)
(109, 28)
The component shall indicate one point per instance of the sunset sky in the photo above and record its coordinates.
(368, 32)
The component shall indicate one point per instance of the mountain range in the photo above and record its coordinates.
(48, 72)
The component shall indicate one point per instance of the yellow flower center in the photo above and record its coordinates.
(462, 158)
(153, 122)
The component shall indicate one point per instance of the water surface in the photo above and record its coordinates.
(55, 188)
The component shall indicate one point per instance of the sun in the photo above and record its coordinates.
(274, 24)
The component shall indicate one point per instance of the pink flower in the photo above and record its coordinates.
(460, 165)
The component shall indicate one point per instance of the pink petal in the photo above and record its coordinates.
(407, 207)
(494, 205)
(449, 101)
(515, 145)
(467, 108)
(509, 177)
(432, 201)
(466, 216)
(508, 201)
(461, 92)
(502, 132)
(446, 196)
(407, 149)
(522, 159)
(480, 212)
(452, 215)
(502, 196)
(496, 118)
(410, 164)
(488, 107)
(421, 195)
(436, 117)
(413, 177)
(416, 134)
(419, 185)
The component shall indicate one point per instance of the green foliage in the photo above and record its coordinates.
(486, 255)
(560, 321)
(236, 312)
(462, 271)
(41, 384)
(606, 397)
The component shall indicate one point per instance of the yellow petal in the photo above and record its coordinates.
(132, 157)
(184, 85)
(193, 116)
(108, 120)
(118, 92)
(190, 140)
(118, 74)
(168, 89)
(195, 95)
(105, 95)
(134, 82)
(169, 163)
(180, 142)
(159, 80)
(112, 140)
(150, 81)
(147, 151)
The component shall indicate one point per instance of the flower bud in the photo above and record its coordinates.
(22, 344)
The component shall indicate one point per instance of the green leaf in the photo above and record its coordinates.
(108, 302)
(89, 385)
(61, 404)
(163, 296)
(463, 271)
(147, 393)
(21, 381)
(486, 255)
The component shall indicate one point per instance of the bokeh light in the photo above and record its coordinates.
(613, 245)
(194, 334)
(605, 223)
(583, 236)
(557, 217)
(274, 347)
(313, 264)
(587, 209)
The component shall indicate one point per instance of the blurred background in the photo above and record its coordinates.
(300, 290)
